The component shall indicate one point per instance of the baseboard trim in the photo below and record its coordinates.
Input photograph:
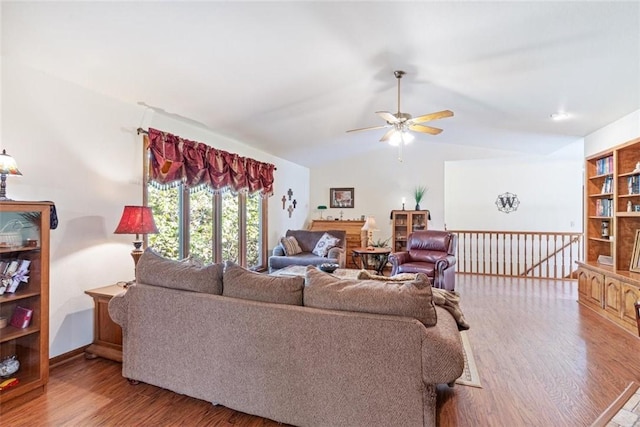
(65, 357)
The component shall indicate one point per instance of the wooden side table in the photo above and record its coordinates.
(107, 335)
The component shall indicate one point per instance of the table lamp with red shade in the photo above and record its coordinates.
(136, 220)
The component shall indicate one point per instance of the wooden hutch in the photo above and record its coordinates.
(404, 223)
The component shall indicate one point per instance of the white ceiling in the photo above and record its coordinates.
(291, 77)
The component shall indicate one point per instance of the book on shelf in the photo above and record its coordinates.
(604, 207)
(633, 184)
(604, 165)
(21, 317)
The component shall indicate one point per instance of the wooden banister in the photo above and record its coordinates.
(518, 253)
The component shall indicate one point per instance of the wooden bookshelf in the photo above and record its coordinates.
(612, 195)
(30, 344)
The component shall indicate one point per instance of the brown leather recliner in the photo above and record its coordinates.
(431, 252)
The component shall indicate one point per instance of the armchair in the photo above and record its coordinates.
(431, 252)
(307, 240)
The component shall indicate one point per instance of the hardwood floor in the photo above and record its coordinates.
(543, 361)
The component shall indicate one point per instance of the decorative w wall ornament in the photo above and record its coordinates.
(507, 202)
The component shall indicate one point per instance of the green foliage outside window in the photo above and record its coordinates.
(165, 206)
(201, 234)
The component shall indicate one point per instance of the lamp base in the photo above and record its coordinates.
(3, 187)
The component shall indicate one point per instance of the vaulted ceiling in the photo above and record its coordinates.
(291, 77)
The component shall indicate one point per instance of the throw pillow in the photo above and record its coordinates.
(326, 242)
(156, 270)
(290, 245)
(410, 298)
(242, 283)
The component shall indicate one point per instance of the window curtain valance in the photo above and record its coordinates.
(176, 160)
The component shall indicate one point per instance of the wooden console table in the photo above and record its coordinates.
(107, 335)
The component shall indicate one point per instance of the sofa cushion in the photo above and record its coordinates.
(326, 242)
(290, 245)
(156, 270)
(242, 283)
(412, 298)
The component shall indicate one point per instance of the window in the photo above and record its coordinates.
(187, 225)
(207, 203)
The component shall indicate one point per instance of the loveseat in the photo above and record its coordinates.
(307, 241)
(272, 347)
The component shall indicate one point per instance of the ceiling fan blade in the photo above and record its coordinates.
(388, 116)
(387, 135)
(433, 116)
(369, 128)
(425, 129)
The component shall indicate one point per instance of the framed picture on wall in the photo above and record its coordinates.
(341, 197)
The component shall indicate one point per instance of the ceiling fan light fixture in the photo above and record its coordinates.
(395, 139)
(560, 115)
(407, 138)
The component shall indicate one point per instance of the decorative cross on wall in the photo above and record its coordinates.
(293, 204)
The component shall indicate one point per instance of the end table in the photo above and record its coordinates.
(107, 335)
(380, 257)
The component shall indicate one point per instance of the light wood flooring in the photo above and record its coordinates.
(543, 361)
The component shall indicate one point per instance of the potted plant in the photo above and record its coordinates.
(418, 194)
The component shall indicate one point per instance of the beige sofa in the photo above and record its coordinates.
(258, 350)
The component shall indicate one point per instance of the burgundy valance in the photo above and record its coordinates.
(177, 160)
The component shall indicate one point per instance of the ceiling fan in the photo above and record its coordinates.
(402, 123)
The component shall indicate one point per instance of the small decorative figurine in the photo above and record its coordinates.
(9, 366)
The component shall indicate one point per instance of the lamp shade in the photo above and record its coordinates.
(370, 224)
(8, 165)
(136, 220)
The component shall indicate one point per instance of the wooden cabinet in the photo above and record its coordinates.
(24, 235)
(591, 287)
(352, 228)
(403, 223)
(611, 294)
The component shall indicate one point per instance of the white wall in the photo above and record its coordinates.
(380, 181)
(622, 130)
(80, 149)
(549, 190)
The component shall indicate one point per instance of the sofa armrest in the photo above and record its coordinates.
(339, 254)
(118, 306)
(278, 250)
(442, 354)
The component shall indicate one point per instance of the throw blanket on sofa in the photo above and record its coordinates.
(449, 300)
